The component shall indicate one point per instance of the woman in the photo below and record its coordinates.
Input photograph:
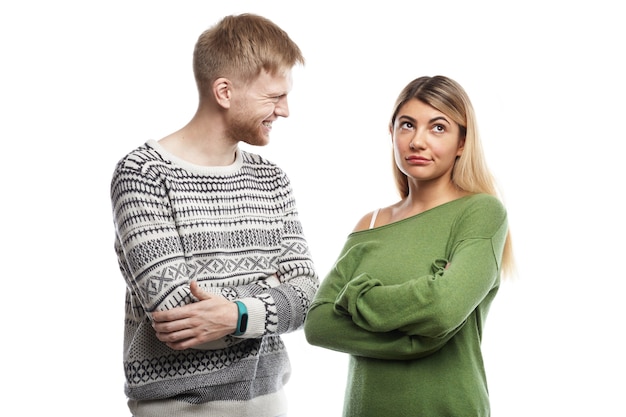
(410, 291)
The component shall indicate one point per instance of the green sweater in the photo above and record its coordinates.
(412, 326)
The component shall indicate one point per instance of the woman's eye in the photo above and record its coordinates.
(406, 125)
(439, 128)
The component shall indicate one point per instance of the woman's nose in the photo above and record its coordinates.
(417, 141)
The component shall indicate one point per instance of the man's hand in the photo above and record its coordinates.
(211, 318)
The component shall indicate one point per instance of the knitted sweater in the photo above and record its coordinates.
(235, 230)
(412, 326)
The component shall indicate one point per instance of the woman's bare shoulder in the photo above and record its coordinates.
(364, 222)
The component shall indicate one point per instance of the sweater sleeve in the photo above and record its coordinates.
(326, 327)
(279, 304)
(148, 245)
(435, 305)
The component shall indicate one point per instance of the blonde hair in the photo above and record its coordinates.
(239, 47)
(470, 171)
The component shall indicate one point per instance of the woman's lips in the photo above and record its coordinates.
(418, 160)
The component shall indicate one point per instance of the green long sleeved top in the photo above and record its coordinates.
(408, 302)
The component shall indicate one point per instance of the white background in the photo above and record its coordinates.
(84, 82)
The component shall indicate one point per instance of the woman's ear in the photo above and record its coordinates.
(222, 91)
(461, 146)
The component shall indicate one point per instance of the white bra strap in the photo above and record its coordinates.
(374, 218)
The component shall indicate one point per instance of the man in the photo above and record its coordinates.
(209, 241)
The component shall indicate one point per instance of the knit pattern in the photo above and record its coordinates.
(236, 231)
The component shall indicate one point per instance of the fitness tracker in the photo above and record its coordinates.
(242, 318)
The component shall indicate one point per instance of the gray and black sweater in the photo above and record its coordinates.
(234, 229)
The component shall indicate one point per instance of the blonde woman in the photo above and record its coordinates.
(409, 294)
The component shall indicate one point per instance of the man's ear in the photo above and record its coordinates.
(222, 91)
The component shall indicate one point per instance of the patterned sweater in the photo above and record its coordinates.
(411, 325)
(235, 230)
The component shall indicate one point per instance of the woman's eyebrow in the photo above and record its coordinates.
(409, 118)
(435, 119)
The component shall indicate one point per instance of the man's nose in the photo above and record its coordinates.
(282, 107)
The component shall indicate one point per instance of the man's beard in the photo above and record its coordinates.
(247, 131)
